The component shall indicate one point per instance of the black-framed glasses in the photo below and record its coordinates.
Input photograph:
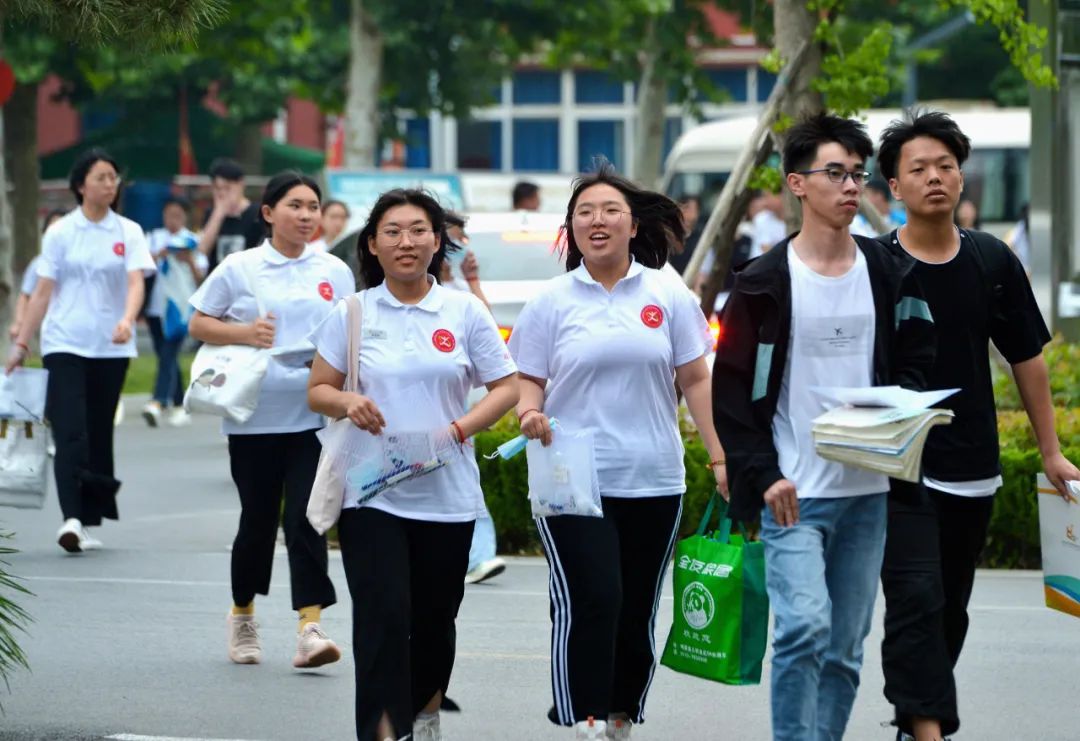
(839, 174)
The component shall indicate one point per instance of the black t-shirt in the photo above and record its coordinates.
(975, 298)
(237, 233)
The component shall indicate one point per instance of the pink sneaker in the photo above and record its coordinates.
(314, 648)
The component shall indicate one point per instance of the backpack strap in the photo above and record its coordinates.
(990, 256)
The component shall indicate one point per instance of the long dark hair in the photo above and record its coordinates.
(371, 272)
(660, 228)
(279, 186)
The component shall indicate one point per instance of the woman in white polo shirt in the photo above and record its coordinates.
(275, 452)
(422, 348)
(602, 349)
(89, 291)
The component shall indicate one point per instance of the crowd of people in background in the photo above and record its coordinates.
(915, 294)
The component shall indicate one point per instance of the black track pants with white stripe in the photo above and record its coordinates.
(605, 580)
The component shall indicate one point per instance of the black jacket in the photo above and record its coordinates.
(753, 351)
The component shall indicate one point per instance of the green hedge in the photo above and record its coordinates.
(1013, 540)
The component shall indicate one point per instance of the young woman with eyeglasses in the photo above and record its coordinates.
(274, 454)
(89, 291)
(603, 349)
(405, 552)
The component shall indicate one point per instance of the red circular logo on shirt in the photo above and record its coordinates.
(443, 340)
(652, 316)
(326, 290)
(118, 249)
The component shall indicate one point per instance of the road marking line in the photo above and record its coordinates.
(138, 737)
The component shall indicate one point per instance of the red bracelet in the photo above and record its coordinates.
(23, 345)
(717, 462)
(460, 433)
(521, 417)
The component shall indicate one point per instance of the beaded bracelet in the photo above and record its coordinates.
(717, 462)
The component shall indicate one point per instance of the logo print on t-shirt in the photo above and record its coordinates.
(652, 316)
(443, 340)
(326, 290)
(118, 249)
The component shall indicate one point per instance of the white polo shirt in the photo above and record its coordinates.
(90, 262)
(417, 363)
(610, 361)
(300, 292)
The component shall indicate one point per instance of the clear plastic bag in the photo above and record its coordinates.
(562, 476)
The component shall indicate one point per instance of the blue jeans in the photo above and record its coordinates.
(168, 386)
(483, 541)
(822, 577)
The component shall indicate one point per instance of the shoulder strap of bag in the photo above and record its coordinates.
(991, 262)
(354, 313)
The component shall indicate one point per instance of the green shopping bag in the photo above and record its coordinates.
(721, 608)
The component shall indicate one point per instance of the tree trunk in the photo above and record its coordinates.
(20, 126)
(6, 247)
(249, 148)
(362, 96)
(794, 25)
(651, 102)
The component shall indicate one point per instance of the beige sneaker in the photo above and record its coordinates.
(314, 648)
(426, 728)
(244, 639)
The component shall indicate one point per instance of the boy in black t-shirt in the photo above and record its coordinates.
(234, 224)
(978, 292)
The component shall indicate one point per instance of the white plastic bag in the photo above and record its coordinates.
(24, 462)
(22, 394)
(562, 476)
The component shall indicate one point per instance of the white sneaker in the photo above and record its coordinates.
(618, 728)
(426, 727)
(314, 648)
(178, 417)
(486, 570)
(591, 730)
(243, 639)
(89, 543)
(151, 412)
(70, 535)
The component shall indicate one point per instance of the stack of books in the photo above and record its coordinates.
(881, 429)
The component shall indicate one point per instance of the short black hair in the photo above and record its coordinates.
(280, 185)
(916, 123)
(180, 201)
(334, 202)
(81, 169)
(522, 190)
(226, 169)
(371, 272)
(802, 140)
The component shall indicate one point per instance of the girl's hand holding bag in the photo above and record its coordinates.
(225, 379)
(328, 491)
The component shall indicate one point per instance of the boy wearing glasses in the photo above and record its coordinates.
(822, 308)
(978, 292)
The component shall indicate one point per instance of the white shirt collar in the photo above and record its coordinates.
(431, 303)
(108, 223)
(272, 256)
(582, 273)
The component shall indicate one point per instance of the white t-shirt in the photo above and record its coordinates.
(29, 277)
(768, 230)
(159, 240)
(610, 361)
(319, 245)
(979, 488)
(832, 344)
(90, 263)
(417, 363)
(300, 292)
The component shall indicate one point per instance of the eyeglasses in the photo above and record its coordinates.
(587, 215)
(839, 175)
(110, 179)
(416, 234)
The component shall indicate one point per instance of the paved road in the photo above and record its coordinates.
(128, 642)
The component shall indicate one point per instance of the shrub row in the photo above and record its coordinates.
(1013, 540)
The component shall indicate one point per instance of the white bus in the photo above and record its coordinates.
(996, 176)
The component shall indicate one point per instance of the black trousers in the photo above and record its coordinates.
(81, 400)
(406, 578)
(606, 574)
(266, 468)
(931, 550)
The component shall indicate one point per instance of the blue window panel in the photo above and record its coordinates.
(536, 86)
(418, 143)
(600, 138)
(97, 117)
(765, 83)
(536, 145)
(591, 86)
(672, 131)
(480, 145)
(731, 82)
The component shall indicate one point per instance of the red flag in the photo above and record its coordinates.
(187, 165)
